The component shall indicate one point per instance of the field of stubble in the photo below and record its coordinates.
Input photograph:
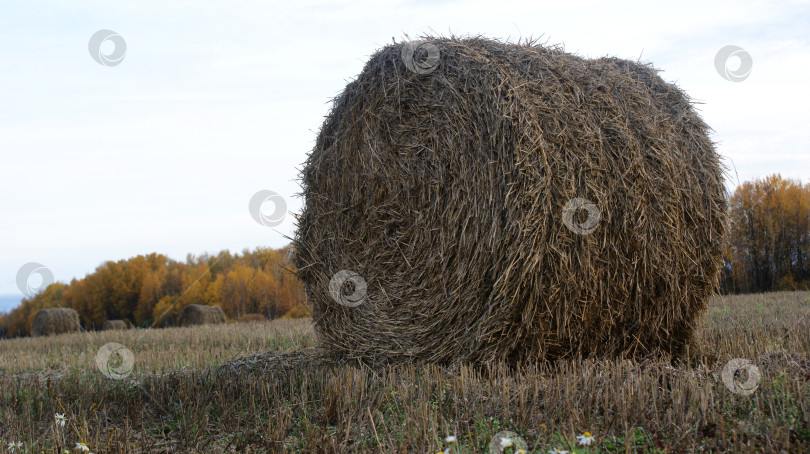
(250, 388)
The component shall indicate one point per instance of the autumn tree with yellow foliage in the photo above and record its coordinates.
(769, 238)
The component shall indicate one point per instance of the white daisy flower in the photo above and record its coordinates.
(506, 443)
(60, 419)
(13, 446)
(450, 439)
(82, 447)
(585, 439)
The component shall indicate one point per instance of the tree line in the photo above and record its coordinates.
(145, 288)
(768, 242)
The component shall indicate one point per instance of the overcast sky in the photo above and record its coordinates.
(215, 101)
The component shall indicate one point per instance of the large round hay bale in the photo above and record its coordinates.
(508, 202)
(111, 325)
(197, 314)
(56, 320)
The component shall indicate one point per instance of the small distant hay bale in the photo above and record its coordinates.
(252, 318)
(298, 311)
(480, 201)
(111, 325)
(197, 314)
(55, 321)
(167, 320)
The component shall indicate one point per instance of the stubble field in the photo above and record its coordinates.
(265, 387)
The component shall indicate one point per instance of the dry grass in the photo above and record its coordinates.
(157, 349)
(293, 399)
